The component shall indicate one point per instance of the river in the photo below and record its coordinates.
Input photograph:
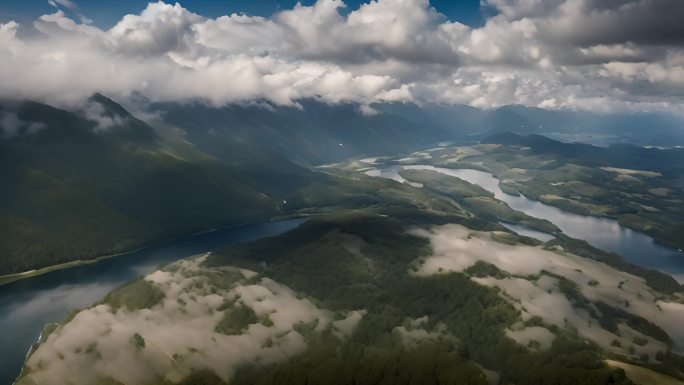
(27, 305)
(603, 233)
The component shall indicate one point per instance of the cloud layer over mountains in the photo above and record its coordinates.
(599, 55)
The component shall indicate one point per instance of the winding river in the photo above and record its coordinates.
(27, 305)
(603, 233)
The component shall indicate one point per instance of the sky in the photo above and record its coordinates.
(106, 13)
(597, 55)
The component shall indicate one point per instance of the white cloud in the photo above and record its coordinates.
(71, 6)
(555, 54)
(366, 110)
(455, 248)
(160, 28)
(63, 3)
(104, 121)
(179, 333)
(527, 336)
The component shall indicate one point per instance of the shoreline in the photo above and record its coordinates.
(10, 278)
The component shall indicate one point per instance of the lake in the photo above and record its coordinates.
(27, 305)
(603, 233)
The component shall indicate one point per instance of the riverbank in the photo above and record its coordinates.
(9, 278)
(27, 305)
(608, 235)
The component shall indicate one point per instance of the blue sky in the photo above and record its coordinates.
(105, 13)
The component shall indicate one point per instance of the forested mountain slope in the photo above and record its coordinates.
(99, 181)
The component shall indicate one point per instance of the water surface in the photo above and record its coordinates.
(27, 305)
(603, 233)
(528, 232)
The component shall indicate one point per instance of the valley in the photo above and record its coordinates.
(28, 305)
(434, 265)
(380, 289)
(342, 192)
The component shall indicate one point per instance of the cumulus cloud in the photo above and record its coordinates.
(580, 54)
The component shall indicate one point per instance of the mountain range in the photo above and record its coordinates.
(95, 180)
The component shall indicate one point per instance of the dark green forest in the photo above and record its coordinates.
(311, 261)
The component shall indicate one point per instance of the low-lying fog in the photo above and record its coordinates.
(180, 333)
(456, 248)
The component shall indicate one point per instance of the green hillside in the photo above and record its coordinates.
(316, 133)
(73, 192)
